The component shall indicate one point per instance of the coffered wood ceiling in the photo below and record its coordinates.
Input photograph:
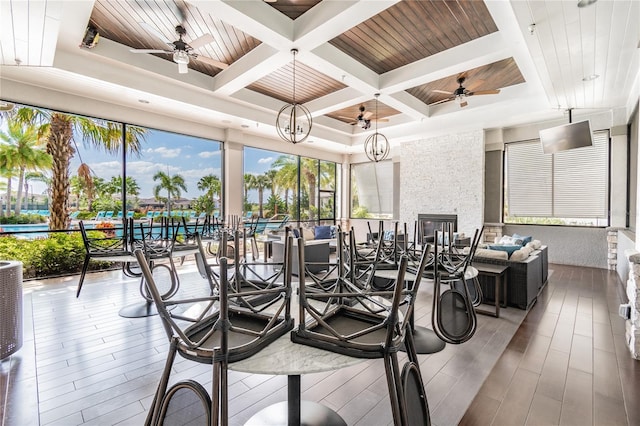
(348, 52)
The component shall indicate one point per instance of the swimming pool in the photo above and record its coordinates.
(32, 228)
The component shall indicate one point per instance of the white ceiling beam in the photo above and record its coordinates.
(478, 52)
(260, 62)
(329, 19)
(255, 18)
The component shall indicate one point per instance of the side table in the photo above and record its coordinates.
(499, 275)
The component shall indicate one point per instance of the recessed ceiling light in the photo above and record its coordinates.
(310, 141)
(585, 3)
(244, 126)
(143, 101)
(226, 121)
(590, 77)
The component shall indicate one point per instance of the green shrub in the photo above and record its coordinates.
(22, 219)
(59, 254)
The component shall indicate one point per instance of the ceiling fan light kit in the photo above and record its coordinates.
(377, 146)
(182, 51)
(294, 121)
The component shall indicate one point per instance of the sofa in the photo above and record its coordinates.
(326, 233)
(526, 276)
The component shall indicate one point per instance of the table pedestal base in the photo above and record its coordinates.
(426, 341)
(139, 310)
(311, 413)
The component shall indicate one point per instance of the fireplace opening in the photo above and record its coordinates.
(428, 223)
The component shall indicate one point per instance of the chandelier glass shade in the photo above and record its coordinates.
(294, 120)
(376, 146)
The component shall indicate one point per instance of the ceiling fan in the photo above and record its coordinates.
(181, 50)
(364, 118)
(461, 93)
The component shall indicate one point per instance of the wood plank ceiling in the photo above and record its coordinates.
(402, 34)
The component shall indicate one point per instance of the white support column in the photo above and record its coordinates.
(233, 172)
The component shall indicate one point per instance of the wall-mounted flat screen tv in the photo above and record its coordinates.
(567, 136)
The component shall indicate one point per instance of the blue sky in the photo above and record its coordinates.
(171, 153)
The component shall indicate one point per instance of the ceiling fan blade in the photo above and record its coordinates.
(201, 41)
(183, 68)
(380, 120)
(441, 101)
(484, 92)
(367, 115)
(441, 91)
(210, 61)
(153, 31)
(149, 51)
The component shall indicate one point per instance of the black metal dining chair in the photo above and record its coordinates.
(211, 330)
(106, 245)
(366, 323)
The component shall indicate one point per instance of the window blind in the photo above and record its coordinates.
(566, 184)
(374, 183)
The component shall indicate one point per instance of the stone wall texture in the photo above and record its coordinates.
(444, 175)
(632, 325)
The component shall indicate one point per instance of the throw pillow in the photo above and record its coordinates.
(322, 232)
(509, 249)
(525, 239)
(308, 234)
(520, 255)
(296, 233)
(334, 232)
(491, 254)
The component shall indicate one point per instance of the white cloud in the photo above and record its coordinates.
(266, 160)
(165, 152)
(208, 154)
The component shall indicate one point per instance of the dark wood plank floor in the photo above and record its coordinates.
(568, 363)
(83, 364)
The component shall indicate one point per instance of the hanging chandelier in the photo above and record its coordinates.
(294, 120)
(376, 146)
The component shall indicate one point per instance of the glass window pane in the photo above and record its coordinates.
(309, 183)
(271, 183)
(178, 174)
(372, 190)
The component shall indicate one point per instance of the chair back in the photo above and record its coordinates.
(105, 243)
(453, 314)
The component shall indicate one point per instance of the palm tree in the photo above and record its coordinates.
(6, 172)
(21, 148)
(248, 185)
(261, 182)
(172, 184)
(287, 175)
(59, 130)
(211, 185)
(308, 175)
(272, 175)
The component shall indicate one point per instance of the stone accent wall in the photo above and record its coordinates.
(632, 325)
(612, 249)
(444, 175)
(491, 232)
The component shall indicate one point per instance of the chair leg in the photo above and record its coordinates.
(395, 387)
(85, 266)
(154, 410)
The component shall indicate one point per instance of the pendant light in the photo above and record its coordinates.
(294, 120)
(376, 146)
